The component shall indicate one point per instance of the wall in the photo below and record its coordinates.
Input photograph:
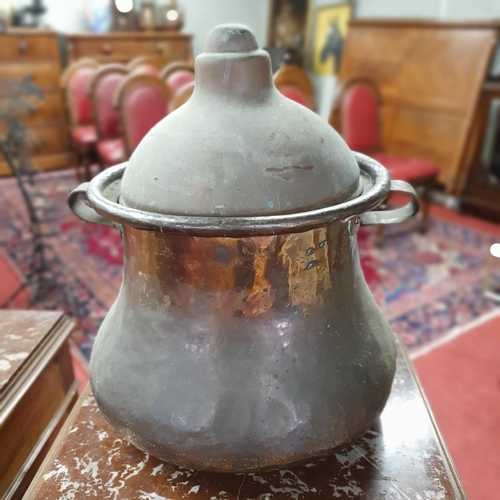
(203, 15)
(62, 15)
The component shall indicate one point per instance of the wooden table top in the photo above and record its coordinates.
(401, 457)
(20, 334)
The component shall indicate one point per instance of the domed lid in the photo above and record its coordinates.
(238, 147)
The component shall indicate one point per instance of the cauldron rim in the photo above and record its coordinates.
(102, 195)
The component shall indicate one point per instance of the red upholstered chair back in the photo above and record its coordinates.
(142, 101)
(178, 79)
(355, 114)
(74, 82)
(293, 82)
(360, 118)
(294, 94)
(102, 88)
(177, 75)
(79, 101)
(181, 96)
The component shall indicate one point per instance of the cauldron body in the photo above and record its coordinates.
(244, 336)
(239, 354)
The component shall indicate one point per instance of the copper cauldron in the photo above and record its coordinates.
(244, 336)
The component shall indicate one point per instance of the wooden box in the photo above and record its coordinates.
(37, 391)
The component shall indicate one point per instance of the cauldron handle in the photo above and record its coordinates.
(79, 204)
(398, 214)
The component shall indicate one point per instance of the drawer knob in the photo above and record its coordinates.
(161, 48)
(106, 48)
(23, 46)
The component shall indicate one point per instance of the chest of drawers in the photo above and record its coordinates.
(35, 53)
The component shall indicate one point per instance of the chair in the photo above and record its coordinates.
(177, 75)
(142, 101)
(293, 82)
(148, 65)
(182, 96)
(355, 115)
(102, 88)
(74, 83)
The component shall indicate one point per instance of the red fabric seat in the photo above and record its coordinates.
(294, 95)
(111, 151)
(178, 79)
(411, 170)
(85, 136)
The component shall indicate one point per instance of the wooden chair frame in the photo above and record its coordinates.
(86, 155)
(65, 80)
(144, 60)
(181, 97)
(290, 75)
(176, 66)
(130, 82)
(425, 185)
(103, 71)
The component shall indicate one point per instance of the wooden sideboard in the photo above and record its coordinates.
(124, 46)
(36, 53)
(430, 76)
(37, 391)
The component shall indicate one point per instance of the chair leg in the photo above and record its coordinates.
(425, 206)
(379, 236)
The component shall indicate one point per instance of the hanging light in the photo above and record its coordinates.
(124, 6)
(172, 15)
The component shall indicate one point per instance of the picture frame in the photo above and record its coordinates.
(288, 22)
(327, 38)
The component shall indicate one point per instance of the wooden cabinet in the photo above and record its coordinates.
(122, 47)
(481, 187)
(430, 76)
(35, 53)
(37, 391)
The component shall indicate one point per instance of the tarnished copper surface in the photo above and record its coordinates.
(21, 333)
(401, 457)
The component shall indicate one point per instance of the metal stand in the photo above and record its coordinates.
(41, 278)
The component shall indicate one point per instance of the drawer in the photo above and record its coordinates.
(19, 47)
(170, 50)
(101, 47)
(45, 75)
(49, 109)
(50, 139)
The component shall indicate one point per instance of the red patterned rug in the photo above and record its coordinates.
(425, 284)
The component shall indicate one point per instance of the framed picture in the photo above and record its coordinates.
(288, 24)
(328, 36)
